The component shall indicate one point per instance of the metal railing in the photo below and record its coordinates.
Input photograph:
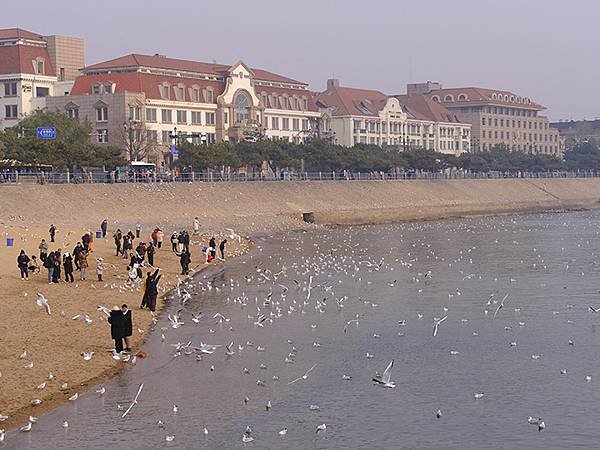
(8, 177)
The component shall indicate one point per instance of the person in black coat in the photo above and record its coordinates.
(127, 325)
(57, 263)
(104, 227)
(150, 254)
(52, 232)
(222, 248)
(23, 263)
(118, 236)
(76, 251)
(117, 327)
(153, 291)
(149, 279)
(185, 258)
(213, 247)
(68, 267)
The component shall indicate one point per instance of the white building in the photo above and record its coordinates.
(363, 116)
(29, 64)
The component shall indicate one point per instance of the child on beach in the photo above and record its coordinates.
(99, 268)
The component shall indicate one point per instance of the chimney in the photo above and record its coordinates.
(333, 83)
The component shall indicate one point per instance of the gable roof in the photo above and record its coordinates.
(19, 33)
(136, 61)
(19, 59)
(344, 101)
(477, 94)
(422, 107)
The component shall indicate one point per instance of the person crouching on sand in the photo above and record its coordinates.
(99, 268)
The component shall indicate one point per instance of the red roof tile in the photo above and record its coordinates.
(423, 108)
(476, 94)
(18, 33)
(19, 59)
(161, 62)
(352, 102)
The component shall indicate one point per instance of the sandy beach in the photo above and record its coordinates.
(54, 343)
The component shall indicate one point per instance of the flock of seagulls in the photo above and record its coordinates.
(332, 279)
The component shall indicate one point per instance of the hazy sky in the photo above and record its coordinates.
(544, 49)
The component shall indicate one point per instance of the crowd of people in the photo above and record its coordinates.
(129, 246)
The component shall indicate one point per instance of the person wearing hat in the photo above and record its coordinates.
(99, 268)
(117, 327)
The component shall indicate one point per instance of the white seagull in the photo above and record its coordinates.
(385, 378)
(437, 324)
(303, 377)
(41, 301)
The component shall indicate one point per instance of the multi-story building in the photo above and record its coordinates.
(166, 97)
(33, 67)
(497, 117)
(575, 131)
(362, 116)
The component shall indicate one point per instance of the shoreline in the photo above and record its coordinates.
(258, 210)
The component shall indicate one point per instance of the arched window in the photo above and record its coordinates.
(242, 104)
(462, 97)
(448, 98)
(505, 97)
(494, 96)
(435, 98)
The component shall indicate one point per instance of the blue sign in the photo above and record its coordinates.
(46, 133)
(174, 150)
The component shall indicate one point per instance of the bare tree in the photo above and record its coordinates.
(139, 142)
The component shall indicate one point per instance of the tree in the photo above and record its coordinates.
(583, 156)
(137, 140)
(71, 149)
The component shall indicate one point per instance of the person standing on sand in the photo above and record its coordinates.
(104, 227)
(99, 268)
(76, 251)
(196, 225)
(127, 326)
(174, 241)
(117, 326)
(138, 230)
(222, 248)
(185, 258)
(186, 241)
(150, 254)
(68, 266)
(52, 232)
(152, 286)
(154, 237)
(160, 236)
(23, 263)
(83, 264)
(43, 250)
(213, 248)
(85, 240)
(57, 262)
(49, 264)
(118, 236)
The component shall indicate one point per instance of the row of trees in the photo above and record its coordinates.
(73, 150)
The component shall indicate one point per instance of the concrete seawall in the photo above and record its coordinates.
(264, 206)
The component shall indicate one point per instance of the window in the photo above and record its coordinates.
(181, 116)
(108, 88)
(39, 67)
(209, 96)
(10, 89)
(462, 97)
(179, 93)
(210, 118)
(102, 136)
(275, 123)
(11, 112)
(61, 76)
(134, 113)
(42, 92)
(95, 89)
(102, 114)
(448, 98)
(73, 112)
(304, 104)
(483, 121)
(150, 114)
(296, 124)
(152, 136)
(166, 138)
(225, 117)
(211, 138)
(195, 94)
(435, 98)
(241, 104)
(285, 123)
(196, 118)
(166, 116)
(305, 126)
(165, 92)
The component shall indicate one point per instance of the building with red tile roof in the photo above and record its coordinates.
(363, 116)
(498, 117)
(204, 102)
(33, 67)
